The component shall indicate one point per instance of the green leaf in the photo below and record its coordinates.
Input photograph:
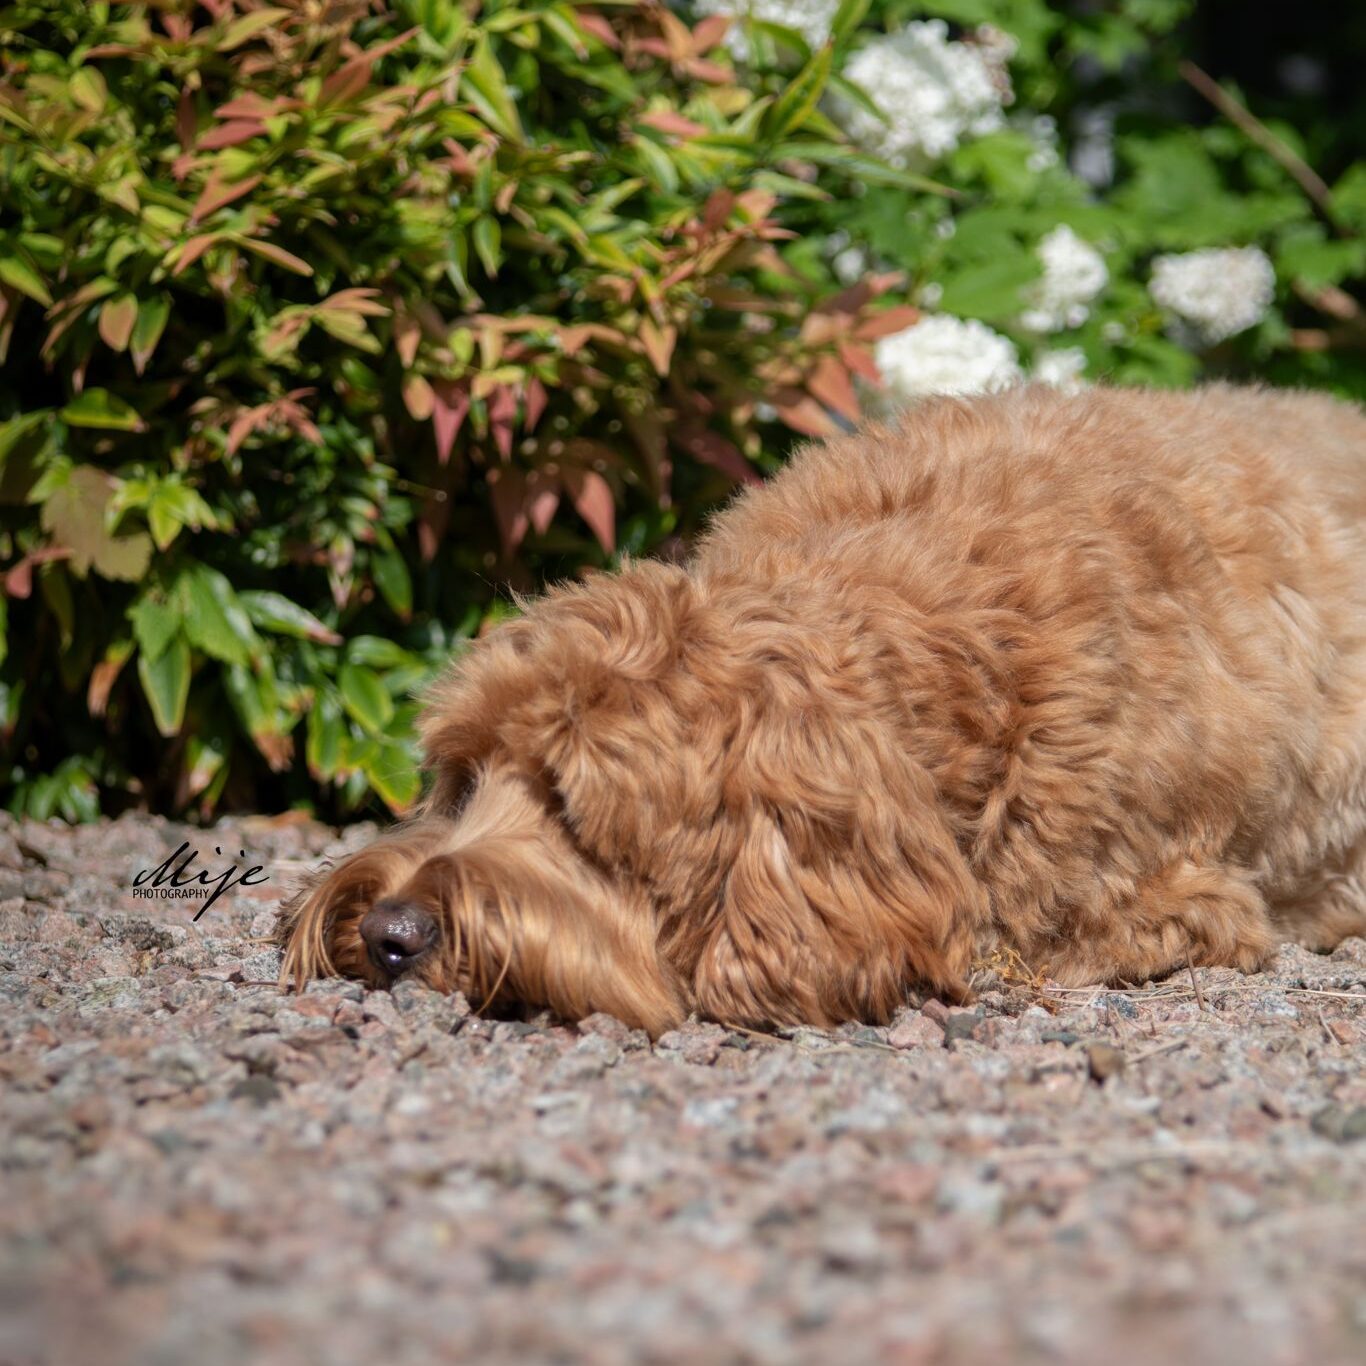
(14, 431)
(324, 747)
(802, 95)
(365, 697)
(847, 18)
(166, 684)
(155, 624)
(88, 89)
(487, 240)
(244, 29)
(17, 273)
(205, 756)
(989, 289)
(485, 86)
(275, 612)
(255, 697)
(395, 776)
(391, 577)
(213, 618)
(376, 652)
(152, 316)
(100, 409)
(76, 513)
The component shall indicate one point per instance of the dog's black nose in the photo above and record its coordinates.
(397, 934)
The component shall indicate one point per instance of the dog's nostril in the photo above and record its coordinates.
(397, 934)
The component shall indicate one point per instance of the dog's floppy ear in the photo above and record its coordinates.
(846, 887)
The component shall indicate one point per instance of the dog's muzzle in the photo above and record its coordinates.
(398, 935)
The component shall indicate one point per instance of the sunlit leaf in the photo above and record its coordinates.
(166, 684)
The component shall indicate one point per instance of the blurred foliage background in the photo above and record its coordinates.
(325, 324)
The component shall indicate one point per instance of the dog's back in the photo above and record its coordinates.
(1172, 588)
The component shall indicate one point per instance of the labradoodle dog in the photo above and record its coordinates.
(1081, 678)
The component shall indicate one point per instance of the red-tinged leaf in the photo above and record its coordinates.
(346, 82)
(667, 121)
(574, 339)
(803, 414)
(756, 204)
(658, 343)
(252, 106)
(185, 121)
(460, 161)
(230, 134)
(18, 579)
(599, 28)
(245, 423)
(418, 397)
(535, 398)
(407, 335)
(676, 34)
(117, 317)
(502, 408)
(709, 32)
(452, 403)
(541, 508)
(718, 209)
(356, 300)
(104, 675)
(885, 324)
(508, 493)
(831, 384)
(296, 419)
(193, 250)
(279, 255)
(710, 72)
(823, 329)
(860, 362)
(860, 294)
(216, 195)
(711, 448)
(592, 499)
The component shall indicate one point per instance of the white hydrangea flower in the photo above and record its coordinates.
(851, 265)
(1042, 131)
(932, 92)
(849, 261)
(1063, 368)
(810, 18)
(946, 355)
(1219, 291)
(1073, 274)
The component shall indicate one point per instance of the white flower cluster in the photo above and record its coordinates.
(1219, 291)
(810, 18)
(932, 93)
(849, 262)
(947, 355)
(1063, 368)
(1073, 274)
(1042, 131)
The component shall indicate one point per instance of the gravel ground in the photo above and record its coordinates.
(195, 1167)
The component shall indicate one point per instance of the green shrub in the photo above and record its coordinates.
(319, 327)
(322, 325)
